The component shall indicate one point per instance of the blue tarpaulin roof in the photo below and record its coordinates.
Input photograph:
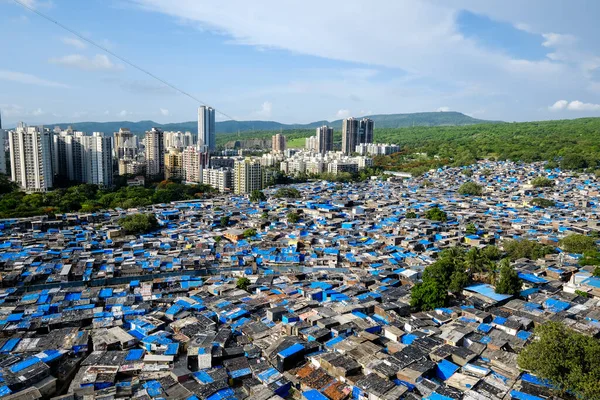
(487, 291)
(291, 350)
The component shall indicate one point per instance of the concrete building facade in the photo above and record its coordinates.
(31, 158)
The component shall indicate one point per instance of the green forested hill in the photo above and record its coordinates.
(382, 121)
(573, 143)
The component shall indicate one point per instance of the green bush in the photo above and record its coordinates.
(293, 217)
(543, 203)
(470, 189)
(136, 224)
(542, 181)
(287, 193)
(471, 229)
(243, 283)
(435, 214)
(248, 233)
(509, 282)
(578, 244)
(530, 249)
(567, 359)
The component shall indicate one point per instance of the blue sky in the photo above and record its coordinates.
(300, 61)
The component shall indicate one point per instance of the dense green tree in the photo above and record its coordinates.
(6, 185)
(224, 221)
(287, 192)
(136, 224)
(458, 280)
(578, 244)
(574, 161)
(242, 283)
(470, 229)
(542, 181)
(257, 196)
(590, 258)
(428, 295)
(567, 359)
(530, 249)
(436, 214)
(293, 217)
(470, 189)
(411, 214)
(542, 203)
(248, 233)
(508, 282)
(491, 252)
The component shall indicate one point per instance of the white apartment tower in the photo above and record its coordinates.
(155, 154)
(324, 141)
(31, 158)
(350, 135)
(248, 176)
(278, 143)
(206, 128)
(125, 143)
(97, 161)
(193, 163)
(3, 138)
(365, 131)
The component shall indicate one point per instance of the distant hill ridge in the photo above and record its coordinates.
(450, 118)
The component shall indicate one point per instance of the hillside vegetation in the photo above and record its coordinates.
(571, 144)
(382, 121)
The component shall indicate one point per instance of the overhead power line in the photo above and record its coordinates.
(121, 58)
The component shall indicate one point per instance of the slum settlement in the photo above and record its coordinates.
(88, 312)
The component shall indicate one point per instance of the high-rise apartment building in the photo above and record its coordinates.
(97, 160)
(365, 131)
(350, 135)
(206, 128)
(31, 158)
(126, 144)
(219, 178)
(279, 143)
(131, 167)
(155, 154)
(248, 176)
(3, 139)
(178, 140)
(324, 139)
(174, 164)
(194, 162)
(83, 158)
(311, 143)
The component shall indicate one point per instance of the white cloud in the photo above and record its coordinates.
(580, 106)
(124, 113)
(574, 105)
(266, 110)
(11, 110)
(75, 42)
(106, 112)
(559, 105)
(164, 112)
(443, 109)
(37, 3)
(441, 55)
(21, 77)
(558, 40)
(341, 114)
(38, 112)
(100, 62)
